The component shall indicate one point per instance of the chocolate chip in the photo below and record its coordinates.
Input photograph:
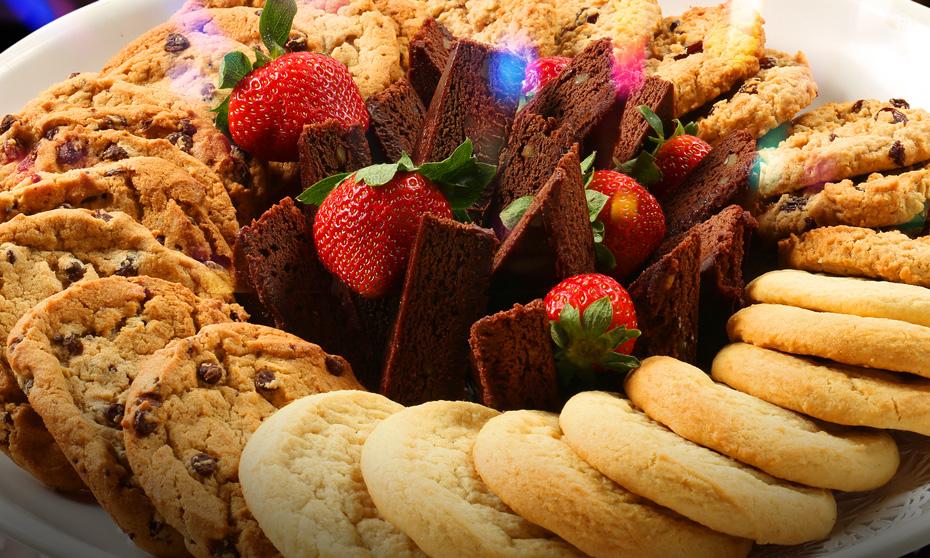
(114, 415)
(182, 141)
(225, 548)
(207, 91)
(592, 19)
(185, 126)
(897, 153)
(128, 267)
(767, 62)
(7, 123)
(209, 373)
(75, 271)
(143, 423)
(103, 215)
(749, 88)
(693, 48)
(115, 171)
(72, 343)
(794, 203)
(857, 106)
(674, 25)
(115, 121)
(155, 527)
(114, 153)
(51, 133)
(335, 365)
(177, 43)
(897, 103)
(896, 115)
(266, 380)
(10, 256)
(296, 44)
(203, 464)
(832, 137)
(73, 75)
(70, 153)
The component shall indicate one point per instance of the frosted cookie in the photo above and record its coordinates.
(521, 456)
(301, 478)
(418, 467)
(871, 342)
(716, 491)
(752, 431)
(826, 391)
(843, 295)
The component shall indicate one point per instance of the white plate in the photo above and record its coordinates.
(858, 49)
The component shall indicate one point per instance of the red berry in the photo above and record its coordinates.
(634, 224)
(541, 71)
(269, 108)
(582, 290)
(364, 234)
(676, 158)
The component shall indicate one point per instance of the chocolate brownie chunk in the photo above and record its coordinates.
(429, 49)
(373, 319)
(666, 296)
(396, 120)
(469, 105)
(330, 148)
(445, 292)
(718, 180)
(553, 240)
(512, 359)
(562, 114)
(655, 93)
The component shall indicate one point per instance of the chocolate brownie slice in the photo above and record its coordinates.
(396, 120)
(512, 359)
(469, 105)
(720, 179)
(562, 114)
(666, 296)
(655, 93)
(553, 240)
(329, 148)
(429, 50)
(445, 292)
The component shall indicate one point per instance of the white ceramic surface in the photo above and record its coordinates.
(857, 48)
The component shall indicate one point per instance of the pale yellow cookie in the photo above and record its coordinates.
(831, 392)
(648, 459)
(752, 431)
(871, 342)
(301, 478)
(523, 459)
(418, 467)
(843, 295)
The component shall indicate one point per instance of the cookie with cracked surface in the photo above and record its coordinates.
(522, 457)
(706, 51)
(783, 87)
(755, 432)
(870, 342)
(878, 201)
(630, 24)
(844, 140)
(75, 355)
(419, 470)
(519, 24)
(852, 251)
(827, 391)
(714, 490)
(43, 254)
(302, 480)
(191, 410)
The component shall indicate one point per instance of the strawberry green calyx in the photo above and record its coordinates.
(643, 167)
(461, 178)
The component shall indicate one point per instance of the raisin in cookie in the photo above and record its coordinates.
(76, 353)
(191, 410)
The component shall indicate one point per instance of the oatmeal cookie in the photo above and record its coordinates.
(191, 410)
(76, 353)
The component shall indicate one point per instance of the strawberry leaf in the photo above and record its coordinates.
(691, 128)
(260, 59)
(275, 25)
(377, 175)
(596, 202)
(604, 259)
(460, 177)
(315, 194)
(654, 121)
(559, 336)
(512, 214)
(587, 169)
(570, 320)
(222, 116)
(597, 317)
(233, 68)
(598, 229)
(643, 168)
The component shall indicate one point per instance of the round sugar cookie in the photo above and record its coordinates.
(832, 392)
(649, 460)
(301, 478)
(418, 467)
(780, 442)
(521, 456)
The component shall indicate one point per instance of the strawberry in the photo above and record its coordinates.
(541, 71)
(593, 325)
(273, 98)
(633, 222)
(367, 221)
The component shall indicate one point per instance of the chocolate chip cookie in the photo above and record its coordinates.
(190, 412)
(76, 353)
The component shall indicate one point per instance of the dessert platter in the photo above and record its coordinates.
(426, 278)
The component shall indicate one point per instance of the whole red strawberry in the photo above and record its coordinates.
(541, 71)
(676, 158)
(634, 224)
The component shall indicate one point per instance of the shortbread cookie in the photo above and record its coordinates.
(844, 140)
(843, 295)
(301, 478)
(43, 254)
(419, 471)
(75, 355)
(854, 340)
(878, 201)
(191, 410)
(891, 256)
(706, 51)
(725, 495)
(521, 456)
(831, 392)
(755, 432)
(783, 87)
